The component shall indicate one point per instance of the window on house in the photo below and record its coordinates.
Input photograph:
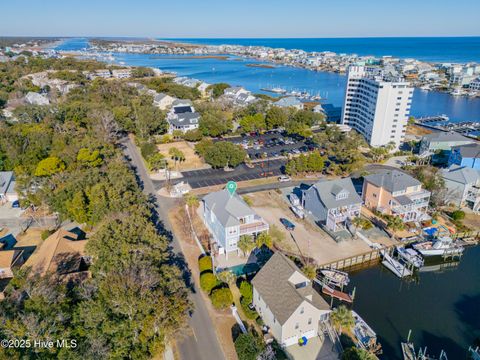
(302, 310)
(309, 321)
(296, 326)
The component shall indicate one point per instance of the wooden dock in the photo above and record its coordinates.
(327, 290)
(366, 258)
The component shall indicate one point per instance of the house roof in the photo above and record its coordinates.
(288, 101)
(61, 252)
(160, 97)
(182, 102)
(6, 179)
(227, 208)
(328, 190)
(468, 151)
(446, 137)
(280, 294)
(183, 119)
(392, 180)
(463, 175)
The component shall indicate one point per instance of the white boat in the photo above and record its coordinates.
(367, 338)
(439, 247)
(335, 277)
(411, 256)
(395, 266)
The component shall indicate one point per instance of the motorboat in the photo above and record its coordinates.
(440, 247)
(367, 338)
(395, 266)
(410, 256)
(335, 277)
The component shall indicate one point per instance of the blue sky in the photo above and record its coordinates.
(245, 18)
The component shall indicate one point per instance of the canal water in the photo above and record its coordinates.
(328, 85)
(441, 307)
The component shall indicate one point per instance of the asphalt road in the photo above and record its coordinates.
(211, 177)
(202, 343)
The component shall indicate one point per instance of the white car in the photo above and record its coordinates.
(284, 178)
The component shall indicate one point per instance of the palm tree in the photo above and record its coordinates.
(246, 244)
(176, 155)
(342, 318)
(191, 200)
(227, 276)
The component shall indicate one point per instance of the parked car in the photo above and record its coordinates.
(284, 178)
(16, 204)
(288, 224)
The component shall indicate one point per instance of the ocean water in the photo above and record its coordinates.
(330, 86)
(434, 49)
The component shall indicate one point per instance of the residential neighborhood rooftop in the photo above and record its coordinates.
(273, 282)
(462, 175)
(469, 151)
(392, 180)
(330, 192)
(227, 208)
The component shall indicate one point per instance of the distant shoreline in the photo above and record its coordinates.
(265, 66)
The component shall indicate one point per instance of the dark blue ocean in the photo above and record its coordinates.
(329, 85)
(433, 49)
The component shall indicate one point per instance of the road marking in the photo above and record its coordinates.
(194, 335)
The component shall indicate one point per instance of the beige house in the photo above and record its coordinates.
(286, 301)
(9, 259)
(62, 253)
(394, 192)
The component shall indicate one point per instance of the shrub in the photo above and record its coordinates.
(251, 314)
(148, 149)
(45, 234)
(208, 281)
(205, 263)
(458, 215)
(222, 298)
(246, 291)
(248, 346)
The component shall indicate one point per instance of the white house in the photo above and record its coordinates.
(286, 301)
(121, 73)
(289, 101)
(239, 95)
(463, 184)
(182, 117)
(228, 217)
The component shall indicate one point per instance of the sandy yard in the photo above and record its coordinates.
(417, 130)
(192, 160)
(472, 220)
(307, 239)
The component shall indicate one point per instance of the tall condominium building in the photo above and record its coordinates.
(376, 106)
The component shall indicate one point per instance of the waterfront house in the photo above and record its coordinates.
(286, 301)
(228, 217)
(463, 185)
(332, 203)
(63, 254)
(182, 117)
(442, 142)
(465, 155)
(122, 73)
(7, 187)
(163, 101)
(238, 95)
(394, 192)
(289, 102)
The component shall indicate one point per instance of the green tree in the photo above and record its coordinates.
(205, 263)
(342, 318)
(217, 89)
(310, 271)
(246, 290)
(222, 298)
(246, 244)
(251, 123)
(248, 346)
(176, 154)
(276, 117)
(208, 281)
(354, 353)
(264, 239)
(78, 207)
(50, 166)
(157, 162)
(89, 158)
(226, 276)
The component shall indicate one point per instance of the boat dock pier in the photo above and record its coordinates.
(364, 259)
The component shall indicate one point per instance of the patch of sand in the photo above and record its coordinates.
(192, 160)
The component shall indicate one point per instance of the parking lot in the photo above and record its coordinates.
(272, 145)
(211, 177)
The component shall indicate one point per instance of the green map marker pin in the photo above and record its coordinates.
(231, 187)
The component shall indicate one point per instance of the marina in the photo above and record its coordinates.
(395, 266)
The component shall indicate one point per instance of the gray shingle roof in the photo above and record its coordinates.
(185, 119)
(279, 294)
(288, 101)
(392, 180)
(445, 136)
(228, 209)
(328, 190)
(468, 151)
(462, 175)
